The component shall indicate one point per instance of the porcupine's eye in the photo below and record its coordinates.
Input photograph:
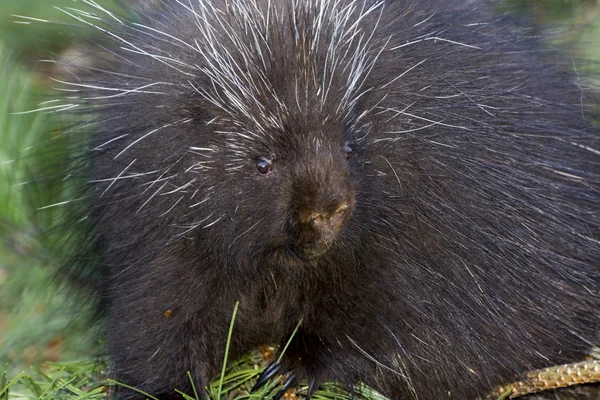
(264, 166)
(348, 150)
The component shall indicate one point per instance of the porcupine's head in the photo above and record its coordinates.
(238, 130)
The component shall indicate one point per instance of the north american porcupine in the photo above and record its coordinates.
(406, 177)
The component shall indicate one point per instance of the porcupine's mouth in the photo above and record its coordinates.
(306, 254)
(312, 245)
(308, 247)
(315, 250)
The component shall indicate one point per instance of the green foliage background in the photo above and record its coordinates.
(37, 320)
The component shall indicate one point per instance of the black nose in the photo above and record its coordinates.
(317, 230)
(328, 221)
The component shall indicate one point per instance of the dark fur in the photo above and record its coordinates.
(469, 253)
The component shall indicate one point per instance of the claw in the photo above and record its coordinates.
(285, 387)
(312, 386)
(269, 372)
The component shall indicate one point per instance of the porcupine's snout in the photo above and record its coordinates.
(322, 203)
(319, 228)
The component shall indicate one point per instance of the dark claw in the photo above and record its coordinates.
(285, 387)
(269, 372)
(312, 386)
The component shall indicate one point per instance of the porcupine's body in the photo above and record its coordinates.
(408, 178)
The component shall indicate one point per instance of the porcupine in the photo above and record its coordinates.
(411, 179)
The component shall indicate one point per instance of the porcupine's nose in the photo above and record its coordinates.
(327, 221)
(320, 216)
(319, 229)
(322, 199)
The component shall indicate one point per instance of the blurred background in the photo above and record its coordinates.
(38, 323)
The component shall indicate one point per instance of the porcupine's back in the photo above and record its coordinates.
(464, 170)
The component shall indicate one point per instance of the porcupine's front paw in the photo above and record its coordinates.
(277, 368)
(308, 357)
